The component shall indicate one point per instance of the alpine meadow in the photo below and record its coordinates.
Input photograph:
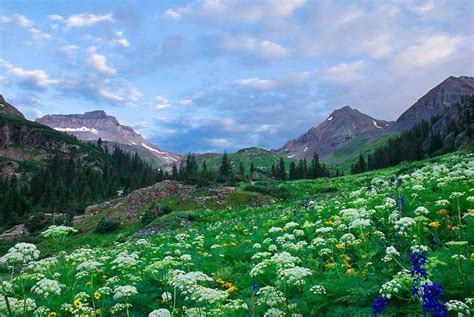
(268, 158)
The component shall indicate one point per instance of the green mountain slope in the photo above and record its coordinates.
(262, 159)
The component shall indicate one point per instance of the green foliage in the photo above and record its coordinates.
(67, 184)
(331, 233)
(107, 225)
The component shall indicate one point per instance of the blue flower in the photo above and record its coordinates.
(399, 182)
(418, 260)
(255, 287)
(392, 180)
(432, 301)
(379, 305)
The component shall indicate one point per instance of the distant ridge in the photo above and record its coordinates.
(93, 125)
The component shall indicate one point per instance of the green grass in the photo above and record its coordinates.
(229, 246)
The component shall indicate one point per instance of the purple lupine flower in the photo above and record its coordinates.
(379, 305)
(432, 300)
(418, 260)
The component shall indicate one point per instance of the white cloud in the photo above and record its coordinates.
(55, 17)
(126, 96)
(247, 44)
(99, 63)
(17, 19)
(23, 22)
(228, 124)
(85, 19)
(266, 128)
(423, 8)
(189, 101)
(162, 103)
(343, 73)
(69, 50)
(431, 50)
(234, 10)
(259, 84)
(220, 143)
(173, 14)
(36, 78)
(186, 102)
(120, 40)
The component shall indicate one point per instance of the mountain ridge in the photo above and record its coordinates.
(90, 126)
(339, 128)
(325, 139)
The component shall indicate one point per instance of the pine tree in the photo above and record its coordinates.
(293, 172)
(253, 175)
(241, 171)
(225, 169)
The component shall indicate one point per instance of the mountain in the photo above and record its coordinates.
(6, 108)
(25, 145)
(91, 126)
(436, 101)
(343, 126)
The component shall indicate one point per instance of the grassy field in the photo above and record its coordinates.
(380, 242)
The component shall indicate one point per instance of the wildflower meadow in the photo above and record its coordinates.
(394, 242)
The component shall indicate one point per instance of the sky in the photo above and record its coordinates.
(214, 76)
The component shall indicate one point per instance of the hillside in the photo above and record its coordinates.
(262, 159)
(334, 248)
(47, 175)
(25, 145)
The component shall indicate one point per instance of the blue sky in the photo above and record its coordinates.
(221, 75)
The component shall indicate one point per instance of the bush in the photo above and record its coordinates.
(107, 225)
(38, 222)
(151, 213)
(277, 192)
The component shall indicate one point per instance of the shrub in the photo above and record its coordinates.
(107, 225)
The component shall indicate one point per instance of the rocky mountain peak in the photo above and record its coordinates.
(93, 125)
(340, 127)
(97, 114)
(436, 101)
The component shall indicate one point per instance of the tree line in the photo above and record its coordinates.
(423, 140)
(67, 184)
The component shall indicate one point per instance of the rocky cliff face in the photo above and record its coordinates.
(6, 108)
(437, 101)
(341, 127)
(91, 126)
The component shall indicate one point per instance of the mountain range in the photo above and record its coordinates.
(346, 127)
(340, 138)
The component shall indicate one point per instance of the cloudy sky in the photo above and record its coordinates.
(221, 75)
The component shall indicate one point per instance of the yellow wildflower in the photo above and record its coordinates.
(77, 303)
(350, 271)
(442, 212)
(97, 295)
(340, 246)
(434, 224)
